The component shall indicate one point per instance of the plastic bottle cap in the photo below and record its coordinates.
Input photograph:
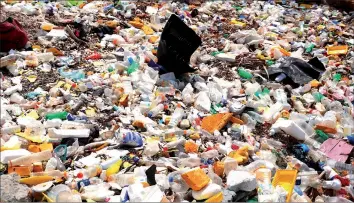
(149, 114)
(80, 175)
(234, 147)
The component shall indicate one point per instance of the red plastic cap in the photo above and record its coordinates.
(234, 147)
(80, 175)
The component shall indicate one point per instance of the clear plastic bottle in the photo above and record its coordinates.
(51, 164)
(316, 155)
(45, 57)
(89, 172)
(256, 116)
(5, 129)
(209, 154)
(176, 116)
(127, 85)
(280, 96)
(340, 165)
(312, 142)
(156, 110)
(17, 98)
(177, 183)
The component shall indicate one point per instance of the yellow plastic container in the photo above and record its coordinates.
(336, 50)
(114, 168)
(285, 179)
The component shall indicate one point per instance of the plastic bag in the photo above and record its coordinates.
(177, 44)
(298, 71)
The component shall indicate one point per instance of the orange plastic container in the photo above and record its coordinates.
(336, 50)
(196, 178)
(286, 179)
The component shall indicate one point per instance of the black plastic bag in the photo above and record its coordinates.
(177, 44)
(298, 71)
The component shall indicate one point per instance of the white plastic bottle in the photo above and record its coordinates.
(176, 116)
(290, 127)
(30, 159)
(68, 133)
(156, 110)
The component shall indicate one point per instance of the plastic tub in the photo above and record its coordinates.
(286, 179)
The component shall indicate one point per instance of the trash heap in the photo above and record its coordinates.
(117, 101)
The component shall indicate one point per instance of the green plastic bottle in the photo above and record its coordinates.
(60, 115)
(337, 77)
(310, 48)
(322, 136)
(318, 96)
(244, 74)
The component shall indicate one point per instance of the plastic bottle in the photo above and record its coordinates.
(17, 98)
(290, 127)
(329, 120)
(30, 159)
(272, 112)
(10, 129)
(51, 164)
(57, 115)
(45, 57)
(263, 177)
(156, 110)
(244, 74)
(127, 85)
(177, 183)
(311, 142)
(13, 89)
(73, 75)
(90, 172)
(209, 154)
(334, 184)
(77, 106)
(280, 96)
(176, 116)
(317, 155)
(256, 116)
(68, 133)
(122, 179)
(54, 173)
(340, 165)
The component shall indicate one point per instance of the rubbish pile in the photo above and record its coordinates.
(215, 101)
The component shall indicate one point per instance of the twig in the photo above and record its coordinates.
(72, 35)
